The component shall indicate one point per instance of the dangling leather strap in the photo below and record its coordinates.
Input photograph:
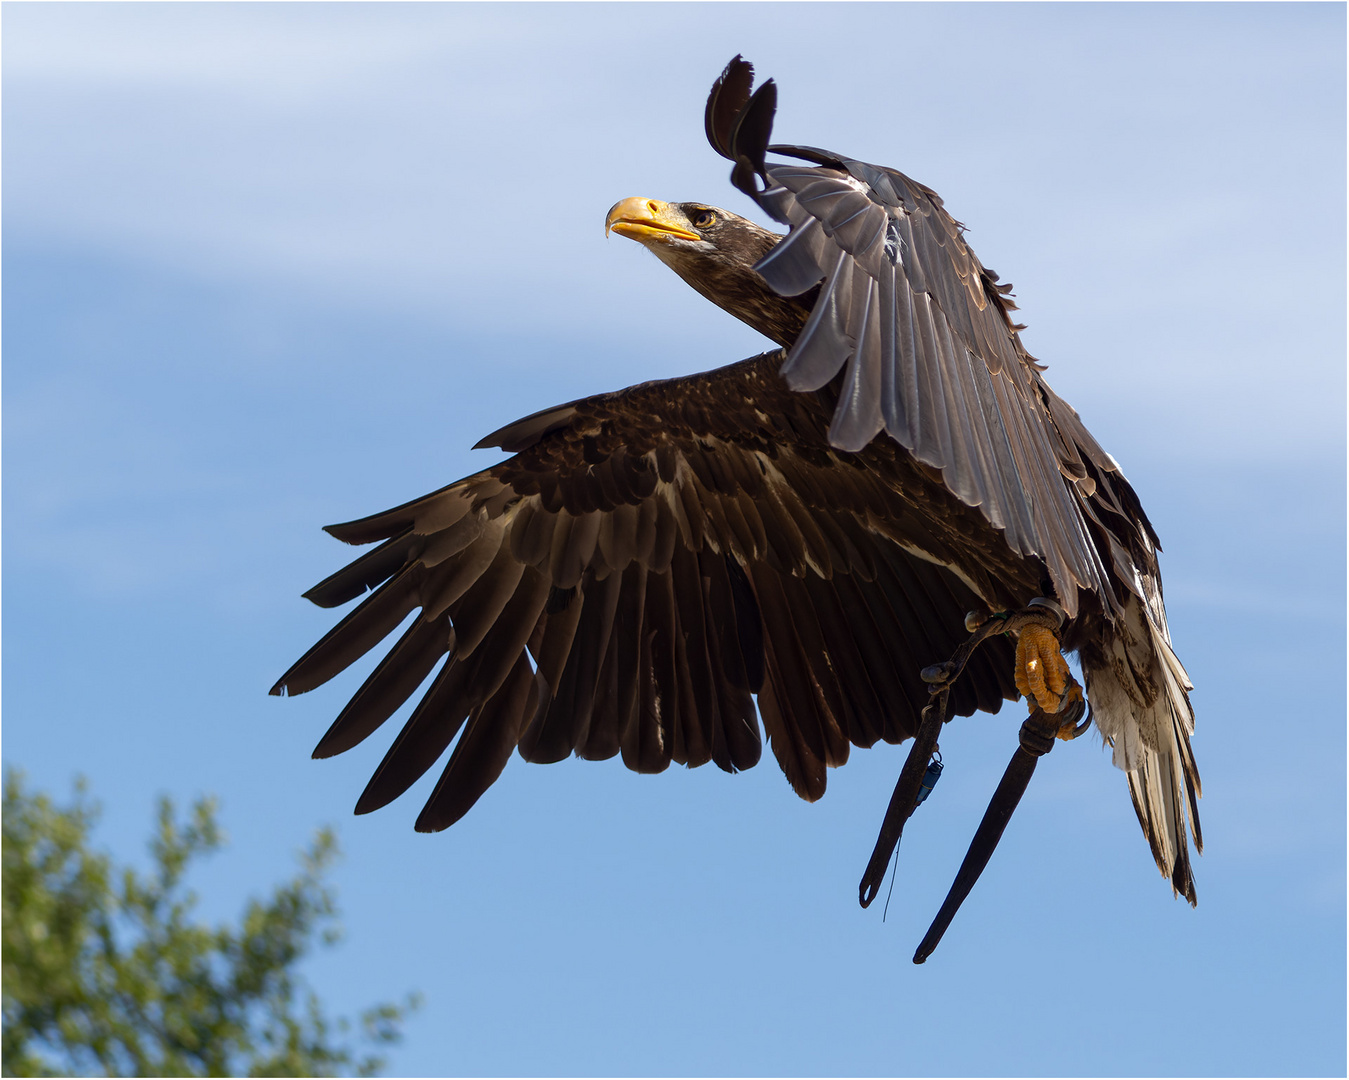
(905, 797)
(1037, 739)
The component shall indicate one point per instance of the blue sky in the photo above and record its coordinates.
(268, 267)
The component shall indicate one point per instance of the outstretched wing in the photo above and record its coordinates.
(928, 351)
(645, 565)
(922, 334)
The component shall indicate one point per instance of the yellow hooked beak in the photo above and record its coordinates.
(648, 221)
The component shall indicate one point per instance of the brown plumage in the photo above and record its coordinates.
(791, 538)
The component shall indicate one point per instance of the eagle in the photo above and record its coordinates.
(787, 541)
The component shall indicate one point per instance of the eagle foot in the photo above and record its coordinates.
(1042, 674)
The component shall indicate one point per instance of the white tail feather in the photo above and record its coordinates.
(1141, 705)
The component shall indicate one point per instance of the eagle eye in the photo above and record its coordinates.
(703, 219)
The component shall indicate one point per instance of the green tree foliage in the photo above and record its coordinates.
(106, 971)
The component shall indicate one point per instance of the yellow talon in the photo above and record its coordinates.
(1042, 674)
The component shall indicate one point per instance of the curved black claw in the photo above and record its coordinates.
(1074, 713)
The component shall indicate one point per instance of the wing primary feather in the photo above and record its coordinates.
(483, 603)
(883, 653)
(370, 570)
(927, 448)
(432, 726)
(796, 697)
(823, 345)
(749, 137)
(458, 574)
(952, 427)
(908, 417)
(391, 683)
(729, 95)
(748, 625)
(446, 504)
(691, 727)
(643, 748)
(971, 433)
(660, 703)
(699, 706)
(739, 723)
(909, 255)
(891, 358)
(566, 723)
(1049, 537)
(802, 767)
(481, 754)
(629, 632)
(362, 629)
(1016, 507)
(555, 645)
(795, 264)
(604, 739)
(510, 632)
(862, 711)
(818, 668)
(857, 417)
